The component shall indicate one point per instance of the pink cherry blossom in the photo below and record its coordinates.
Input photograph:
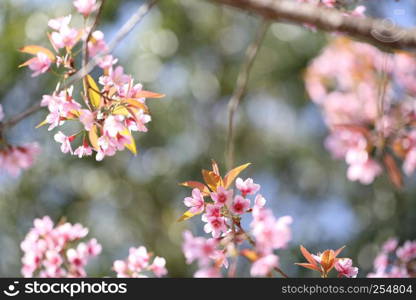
(97, 43)
(158, 267)
(83, 150)
(14, 159)
(137, 262)
(407, 252)
(40, 64)
(85, 7)
(87, 118)
(247, 187)
(196, 202)
(345, 268)
(208, 273)
(58, 23)
(264, 265)
(46, 250)
(65, 141)
(222, 196)
(216, 226)
(240, 205)
(364, 172)
(65, 37)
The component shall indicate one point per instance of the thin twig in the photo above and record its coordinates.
(121, 34)
(240, 89)
(19, 117)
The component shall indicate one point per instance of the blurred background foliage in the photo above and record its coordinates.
(191, 51)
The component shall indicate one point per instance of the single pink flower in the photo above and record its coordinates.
(40, 64)
(196, 202)
(222, 196)
(85, 7)
(65, 141)
(158, 267)
(240, 205)
(247, 187)
(345, 268)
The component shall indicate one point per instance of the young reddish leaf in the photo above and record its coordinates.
(211, 179)
(232, 175)
(93, 92)
(328, 260)
(34, 49)
(187, 215)
(309, 266)
(337, 252)
(148, 94)
(195, 184)
(93, 137)
(307, 255)
(215, 167)
(393, 171)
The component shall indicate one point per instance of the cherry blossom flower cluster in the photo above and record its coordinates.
(394, 261)
(138, 263)
(367, 99)
(14, 159)
(222, 209)
(111, 109)
(328, 260)
(57, 251)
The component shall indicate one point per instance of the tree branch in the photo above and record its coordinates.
(240, 89)
(381, 33)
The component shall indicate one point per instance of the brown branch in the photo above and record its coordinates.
(381, 33)
(240, 89)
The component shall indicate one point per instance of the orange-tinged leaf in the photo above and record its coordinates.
(93, 137)
(199, 185)
(215, 167)
(93, 91)
(337, 252)
(136, 104)
(211, 179)
(232, 175)
(251, 255)
(327, 260)
(307, 255)
(34, 49)
(132, 145)
(148, 94)
(308, 266)
(187, 215)
(393, 171)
